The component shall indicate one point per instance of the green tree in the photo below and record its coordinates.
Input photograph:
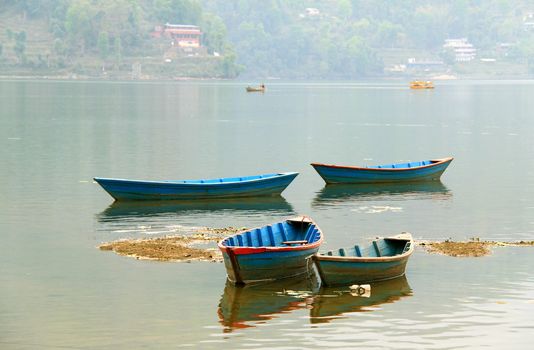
(214, 32)
(118, 51)
(388, 34)
(228, 65)
(103, 45)
(344, 9)
(79, 26)
(178, 11)
(20, 46)
(526, 49)
(59, 47)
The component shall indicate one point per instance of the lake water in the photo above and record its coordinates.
(59, 291)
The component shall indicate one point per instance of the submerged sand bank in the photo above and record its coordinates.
(174, 248)
(200, 246)
(471, 248)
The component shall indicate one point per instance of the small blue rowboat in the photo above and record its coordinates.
(272, 252)
(230, 187)
(413, 171)
(383, 259)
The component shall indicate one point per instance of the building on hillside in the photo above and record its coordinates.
(182, 36)
(425, 64)
(310, 12)
(528, 21)
(463, 50)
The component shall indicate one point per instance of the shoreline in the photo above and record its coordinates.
(148, 78)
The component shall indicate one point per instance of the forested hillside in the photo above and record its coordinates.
(355, 38)
(98, 37)
(307, 39)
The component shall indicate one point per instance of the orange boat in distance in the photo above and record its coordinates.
(419, 84)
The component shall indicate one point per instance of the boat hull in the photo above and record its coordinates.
(332, 174)
(123, 190)
(345, 272)
(255, 89)
(268, 266)
(383, 259)
(272, 252)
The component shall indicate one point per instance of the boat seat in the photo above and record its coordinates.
(375, 244)
(341, 252)
(295, 242)
(357, 251)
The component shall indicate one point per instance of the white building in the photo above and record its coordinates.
(463, 50)
(528, 21)
(312, 11)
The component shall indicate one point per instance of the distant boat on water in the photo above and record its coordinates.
(383, 259)
(230, 187)
(399, 172)
(419, 84)
(260, 88)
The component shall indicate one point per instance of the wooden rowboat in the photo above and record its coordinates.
(272, 252)
(383, 259)
(413, 171)
(231, 187)
(260, 88)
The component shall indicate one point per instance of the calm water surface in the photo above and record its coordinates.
(58, 291)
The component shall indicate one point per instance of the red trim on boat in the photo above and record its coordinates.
(437, 162)
(258, 250)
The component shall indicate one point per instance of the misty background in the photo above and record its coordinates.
(332, 39)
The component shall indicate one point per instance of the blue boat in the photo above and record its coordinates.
(383, 259)
(402, 172)
(230, 187)
(272, 252)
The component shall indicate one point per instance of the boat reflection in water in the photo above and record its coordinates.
(334, 194)
(334, 302)
(142, 218)
(249, 305)
(118, 209)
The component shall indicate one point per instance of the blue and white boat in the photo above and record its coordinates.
(271, 252)
(401, 172)
(230, 187)
(383, 259)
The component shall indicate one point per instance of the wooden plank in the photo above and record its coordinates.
(295, 242)
(357, 251)
(282, 231)
(271, 235)
(375, 244)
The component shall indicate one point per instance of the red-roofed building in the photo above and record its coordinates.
(184, 36)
